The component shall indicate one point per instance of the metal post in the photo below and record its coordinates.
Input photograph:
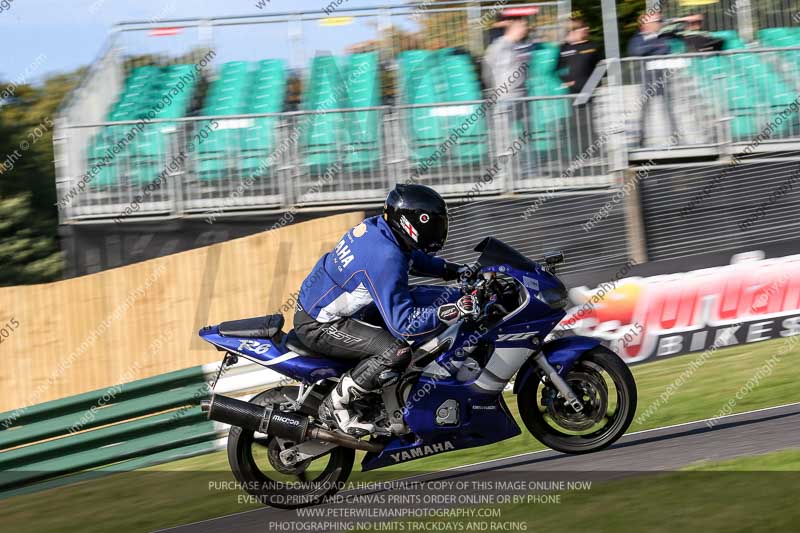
(634, 218)
(295, 35)
(744, 15)
(617, 148)
(564, 10)
(205, 33)
(474, 29)
(62, 162)
(385, 35)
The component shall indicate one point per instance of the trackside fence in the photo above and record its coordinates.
(119, 428)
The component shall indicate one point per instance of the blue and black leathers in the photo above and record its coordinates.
(369, 267)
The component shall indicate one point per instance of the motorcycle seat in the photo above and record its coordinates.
(294, 344)
(262, 327)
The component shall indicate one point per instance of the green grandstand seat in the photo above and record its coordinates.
(730, 38)
(324, 135)
(463, 85)
(102, 145)
(214, 153)
(241, 89)
(145, 155)
(267, 95)
(419, 73)
(544, 59)
(778, 37)
(107, 175)
(545, 116)
(747, 83)
(257, 144)
(362, 127)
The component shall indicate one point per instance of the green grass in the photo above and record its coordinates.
(179, 492)
(782, 461)
(756, 493)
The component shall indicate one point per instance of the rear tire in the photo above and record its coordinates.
(271, 487)
(537, 412)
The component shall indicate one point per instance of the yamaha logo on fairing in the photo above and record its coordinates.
(422, 451)
(286, 420)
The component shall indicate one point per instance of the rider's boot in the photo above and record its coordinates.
(334, 412)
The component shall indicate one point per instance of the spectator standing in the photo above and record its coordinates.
(506, 55)
(649, 41)
(690, 30)
(577, 59)
(505, 72)
(496, 31)
(577, 56)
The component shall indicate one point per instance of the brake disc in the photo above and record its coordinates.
(591, 390)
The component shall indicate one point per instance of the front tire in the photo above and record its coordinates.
(607, 389)
(249, 457)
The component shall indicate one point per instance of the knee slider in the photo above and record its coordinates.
(397, 356)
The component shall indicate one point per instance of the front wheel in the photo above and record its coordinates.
(605, 386)
(256, 464)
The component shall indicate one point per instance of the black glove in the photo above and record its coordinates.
(455, 271)
(465, 306)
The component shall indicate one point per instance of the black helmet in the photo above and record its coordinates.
(418, 217)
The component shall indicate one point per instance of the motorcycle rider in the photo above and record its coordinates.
(368, 270)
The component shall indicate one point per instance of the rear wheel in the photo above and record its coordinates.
(605, 386)
(256, 464)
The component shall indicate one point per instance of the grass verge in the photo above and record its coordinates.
(194, 489)
(755, 493)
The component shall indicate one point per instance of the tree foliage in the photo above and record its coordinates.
(29, 249)
(28, 246)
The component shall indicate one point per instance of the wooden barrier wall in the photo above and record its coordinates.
(72, 336)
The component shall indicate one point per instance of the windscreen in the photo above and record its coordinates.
(495, 252)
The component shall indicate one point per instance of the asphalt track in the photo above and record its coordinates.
(662, 449)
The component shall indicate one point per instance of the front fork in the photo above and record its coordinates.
(560, 384)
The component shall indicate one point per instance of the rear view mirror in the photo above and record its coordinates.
(553, 258)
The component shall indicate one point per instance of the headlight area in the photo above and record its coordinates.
(555, 297)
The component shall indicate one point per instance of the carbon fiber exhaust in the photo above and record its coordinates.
(286, 425)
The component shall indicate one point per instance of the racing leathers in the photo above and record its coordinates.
(368, 270)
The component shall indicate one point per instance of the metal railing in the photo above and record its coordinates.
(711, 99)
(296, 37)
(121, 428)
(304, 158)
(705, 102)
(776, 13)
(720, 15)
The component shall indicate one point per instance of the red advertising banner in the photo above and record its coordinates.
(644, 318)
(164, 32)
(520, 11)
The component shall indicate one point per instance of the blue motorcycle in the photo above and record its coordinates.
(574, 395)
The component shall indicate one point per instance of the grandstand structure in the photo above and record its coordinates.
(258, 116)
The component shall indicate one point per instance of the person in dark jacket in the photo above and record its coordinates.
(689, 29)
(577, 56)
(368, 271)
(655, 79)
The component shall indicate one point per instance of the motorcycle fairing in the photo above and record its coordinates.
(483, 416)
(278, 357)
(483, 419)
(561, 354)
